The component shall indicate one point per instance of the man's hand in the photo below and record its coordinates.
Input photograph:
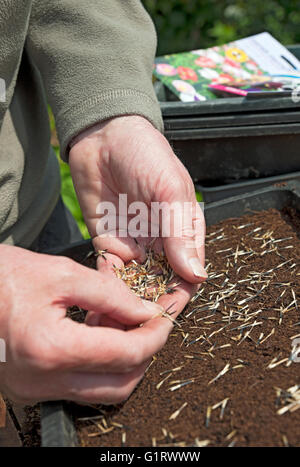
(127, 155)
(51, 357)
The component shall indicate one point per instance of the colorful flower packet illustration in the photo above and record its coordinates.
(189, 74)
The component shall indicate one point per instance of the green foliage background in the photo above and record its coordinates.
(190, 24)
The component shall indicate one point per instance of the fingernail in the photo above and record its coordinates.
(197, 268)
(153, 307)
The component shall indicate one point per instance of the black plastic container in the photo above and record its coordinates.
(211, 194)
(233, 139)
(56, 418)
(57, 425)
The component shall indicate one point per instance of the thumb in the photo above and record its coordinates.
(185, 247)
(106, 294)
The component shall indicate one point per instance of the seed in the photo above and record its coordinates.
(224, 403)
(116, 424)
(101, 253)
(230, 435)
(247, 334)
(294, 337)
(232, 444)
(269, 335)
(260, 338)
(274, 363)
(243, 226)
(223, 372)
(184, 339)
(285, 441)
(178, 386)
(151, 363)
(207, 419)
(192, 357)
(223, 251)
(178, 368)
(103, 431)
(201, 444)
(223, 346)
(177, 412)
(158, 386)
(294, 297)
(104, 423)
(85, 419)
(221, 404)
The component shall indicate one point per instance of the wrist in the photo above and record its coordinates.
(99, 129)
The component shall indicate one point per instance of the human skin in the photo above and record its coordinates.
(49, 356)
(127, 155)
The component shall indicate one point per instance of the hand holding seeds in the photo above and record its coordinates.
(128, 156)
(52, 357)
(49, 356)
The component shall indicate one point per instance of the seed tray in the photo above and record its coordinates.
(56, 419)
(217, 193)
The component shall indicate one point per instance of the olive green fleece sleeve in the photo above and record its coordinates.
(96, 59)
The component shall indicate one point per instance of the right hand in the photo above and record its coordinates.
(51, 357)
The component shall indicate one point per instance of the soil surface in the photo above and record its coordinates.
(225, 372)
(31, 429)
(26, 423)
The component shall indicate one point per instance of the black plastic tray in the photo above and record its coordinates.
(233, 139)
(56, 419)
(225, 155)
(217, 193)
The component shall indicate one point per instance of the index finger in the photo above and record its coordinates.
(104, 349)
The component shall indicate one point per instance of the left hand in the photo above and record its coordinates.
(127, 155)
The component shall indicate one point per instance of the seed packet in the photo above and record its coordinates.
(252, 60)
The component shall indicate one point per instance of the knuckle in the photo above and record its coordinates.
(66, 269)
(66, 265)
(178, 184)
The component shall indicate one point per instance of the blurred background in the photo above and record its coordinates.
(192, 24)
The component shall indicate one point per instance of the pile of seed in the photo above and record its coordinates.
(151, 279)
